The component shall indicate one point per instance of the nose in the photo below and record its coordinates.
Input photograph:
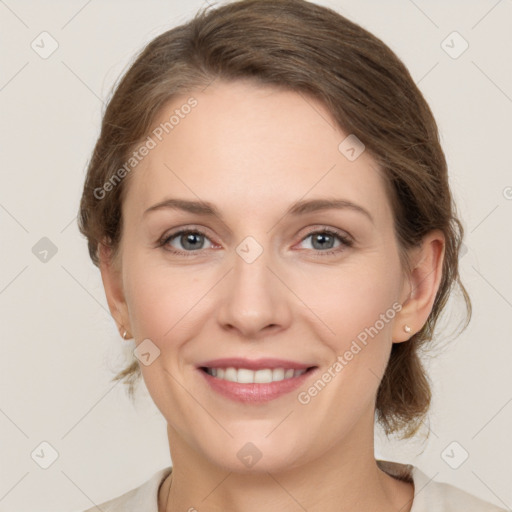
(253, 299)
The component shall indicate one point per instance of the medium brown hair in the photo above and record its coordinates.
(310, 49)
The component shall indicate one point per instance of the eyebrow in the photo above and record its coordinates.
(296, 209)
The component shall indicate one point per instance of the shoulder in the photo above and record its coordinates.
(450, 498)
(144, 497)
(428, 494)
(439, 496)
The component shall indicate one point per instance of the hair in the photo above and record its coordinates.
(312, 50)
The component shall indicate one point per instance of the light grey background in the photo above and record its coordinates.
(60, 347)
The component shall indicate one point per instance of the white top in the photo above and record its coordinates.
(429, 496)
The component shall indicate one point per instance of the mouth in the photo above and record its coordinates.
(243, 380)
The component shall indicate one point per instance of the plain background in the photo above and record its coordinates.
(60, 347)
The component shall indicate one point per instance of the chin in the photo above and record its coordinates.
(256, 454)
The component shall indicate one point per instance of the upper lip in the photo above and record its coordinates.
(254, 364)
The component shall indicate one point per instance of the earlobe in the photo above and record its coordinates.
(113, 285)
(422, 286)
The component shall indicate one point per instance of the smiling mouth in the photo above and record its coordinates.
(262, 376)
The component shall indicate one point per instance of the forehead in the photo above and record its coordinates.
(251, 148)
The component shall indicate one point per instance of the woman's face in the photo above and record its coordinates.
(260, 281)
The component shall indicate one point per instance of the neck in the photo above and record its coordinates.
(344, 479)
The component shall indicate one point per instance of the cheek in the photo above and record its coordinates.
(357, 308)
(353, 300)
(163, 301)
(164, 305)
(357, 305)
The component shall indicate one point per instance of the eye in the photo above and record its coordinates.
(188, 241)
(322, 241)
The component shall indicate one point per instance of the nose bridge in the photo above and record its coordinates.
(251, 276)
(253, 298)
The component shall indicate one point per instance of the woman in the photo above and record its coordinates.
(268, 204)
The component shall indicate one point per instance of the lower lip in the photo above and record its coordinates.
(255, 393)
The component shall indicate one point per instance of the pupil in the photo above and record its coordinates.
(322, 237)
(189, 240)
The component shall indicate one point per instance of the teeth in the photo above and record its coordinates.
(230, 374)
(246, 376)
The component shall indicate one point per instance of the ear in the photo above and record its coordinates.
(421, 286)
(111, 276)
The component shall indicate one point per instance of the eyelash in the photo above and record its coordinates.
(345, 240)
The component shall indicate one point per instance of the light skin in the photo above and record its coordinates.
(252, 152)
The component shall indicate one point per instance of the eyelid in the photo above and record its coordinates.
(347, 241)
(324, 228)
(163, 240)
(204, 231)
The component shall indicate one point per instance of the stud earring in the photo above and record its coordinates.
(407, 328)
(124, 335)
